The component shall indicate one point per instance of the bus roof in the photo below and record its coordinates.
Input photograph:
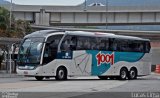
(46, 33)
(101, 34)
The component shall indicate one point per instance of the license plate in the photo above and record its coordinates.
(25, 72)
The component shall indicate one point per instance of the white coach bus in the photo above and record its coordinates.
(60, 54)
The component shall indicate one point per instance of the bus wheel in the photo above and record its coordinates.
(133, 73)
(61, 73)
(123, 74)
(39, 78)
(103, 77)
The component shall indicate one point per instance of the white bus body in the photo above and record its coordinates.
(50, 53)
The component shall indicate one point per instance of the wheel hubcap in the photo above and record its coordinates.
(61, 74)
(123, 74)
(132, 74)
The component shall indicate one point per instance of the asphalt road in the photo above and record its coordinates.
(81, 87)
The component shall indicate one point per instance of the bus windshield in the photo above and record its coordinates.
(30, 51)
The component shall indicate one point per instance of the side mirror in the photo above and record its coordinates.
(39, 46)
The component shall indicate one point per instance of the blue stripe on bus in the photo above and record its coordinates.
(103, 67)
(118, 56)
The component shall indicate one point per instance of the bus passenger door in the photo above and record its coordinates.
(50, 54)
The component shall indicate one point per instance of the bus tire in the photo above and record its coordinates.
(39, 78)
(123, 73)
(61, 73)
(132, 73)
(103, 77)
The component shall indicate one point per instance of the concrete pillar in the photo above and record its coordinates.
(42, 18)
(155, 52)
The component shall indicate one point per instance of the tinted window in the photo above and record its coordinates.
(92, 43)
(126, 45)
(136, 46)
(53, 41)
(69, 43)
(147, 47)
(83, 43)
(51, 47)
(102, 43)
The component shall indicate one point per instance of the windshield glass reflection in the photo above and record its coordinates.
(30, 51)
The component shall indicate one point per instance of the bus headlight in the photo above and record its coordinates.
(26, 67)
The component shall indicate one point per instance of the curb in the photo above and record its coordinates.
(157, 74)
(154, 73)
(10, 76)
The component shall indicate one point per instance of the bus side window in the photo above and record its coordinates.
(79, 44)
(102, 44)
(50, 51)
(86, 43)
(107, 44)
(65, 45)
(141, 47)
(114, 45)
(147, 47)
(135, 46)
(138, 46)
(119, 46)
(69, 43)
(122, 45)
(73, 43)
(83, 43)
(111, 44)
(93, 43)
(97, 43)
